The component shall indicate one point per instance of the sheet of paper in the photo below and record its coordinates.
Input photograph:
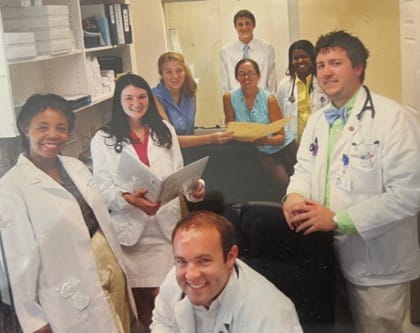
(173, 183)
(251, 131)
(134, 175)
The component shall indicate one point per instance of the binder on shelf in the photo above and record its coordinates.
(98, 12)
(91, 34)
(128, 36)
(119, 23)
(110, 15)
(102, 22)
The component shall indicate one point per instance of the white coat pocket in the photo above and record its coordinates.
(365, 168)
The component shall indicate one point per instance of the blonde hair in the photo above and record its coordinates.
(189, 87)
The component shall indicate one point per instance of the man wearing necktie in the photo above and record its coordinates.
(247, 46)
(363, 183)
(246, 51)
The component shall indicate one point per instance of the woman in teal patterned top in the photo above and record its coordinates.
(250, 103)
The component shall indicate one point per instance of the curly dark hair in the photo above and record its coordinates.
(304, 45)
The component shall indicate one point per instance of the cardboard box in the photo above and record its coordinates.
(54, 46)
(11, 38)
(21, 51)
(15, 3)
(35, 23)
(53, 33)
(52, 10)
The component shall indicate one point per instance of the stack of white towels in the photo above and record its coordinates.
(50, 26)
(101, 83)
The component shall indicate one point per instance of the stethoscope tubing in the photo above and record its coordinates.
(367, 105)
(292, 97)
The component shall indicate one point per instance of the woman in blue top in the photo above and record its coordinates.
(250, 103)
(176, 102)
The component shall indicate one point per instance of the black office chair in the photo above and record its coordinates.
(300, 266)
(234, 171)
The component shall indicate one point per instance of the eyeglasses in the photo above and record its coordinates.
(249, 74)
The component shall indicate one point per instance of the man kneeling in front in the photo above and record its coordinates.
(210, 290)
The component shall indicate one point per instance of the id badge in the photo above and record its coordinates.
(343, 181)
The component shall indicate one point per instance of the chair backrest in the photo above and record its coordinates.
(302, 267)
(265, 233)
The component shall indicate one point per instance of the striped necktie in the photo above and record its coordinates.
(246, 51)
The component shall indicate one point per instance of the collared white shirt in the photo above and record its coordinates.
(205, 319)
(260, 51)
(248, 304)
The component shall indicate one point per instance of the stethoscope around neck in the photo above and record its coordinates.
(292, 97)
(367, 105)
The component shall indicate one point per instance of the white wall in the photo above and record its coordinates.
(149, 36)
(376, 23)
(410, 53)
(205, 26)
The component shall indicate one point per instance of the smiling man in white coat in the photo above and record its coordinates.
(211, 291)
(357, 174)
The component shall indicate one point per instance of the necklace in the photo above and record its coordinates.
(248, 102)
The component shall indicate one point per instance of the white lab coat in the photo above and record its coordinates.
(130, 221)
(289, 109)
(52, 269)
(381, 191)
(251, 304)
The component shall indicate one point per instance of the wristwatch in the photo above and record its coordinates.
(335, 219)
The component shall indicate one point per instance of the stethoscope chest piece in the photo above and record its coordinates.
(292, 99)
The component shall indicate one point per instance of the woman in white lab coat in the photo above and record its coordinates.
(299, 94)
(61, 251)
(144, 227)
